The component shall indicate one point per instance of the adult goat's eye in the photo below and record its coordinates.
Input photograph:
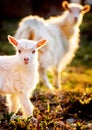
(33, 51)
(69, 10)
(19, 51)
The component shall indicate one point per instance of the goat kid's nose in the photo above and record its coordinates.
(26, 59)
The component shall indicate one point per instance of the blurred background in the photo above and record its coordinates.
(77, 77)
(12, 11)
(44, 8)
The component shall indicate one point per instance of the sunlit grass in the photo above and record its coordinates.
(77, 79)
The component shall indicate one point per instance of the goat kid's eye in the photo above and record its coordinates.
(19, 51)
(33, 51)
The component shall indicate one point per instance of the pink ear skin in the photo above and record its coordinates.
(12, 40)
(41, 43)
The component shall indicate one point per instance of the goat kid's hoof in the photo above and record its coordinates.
(14, 116)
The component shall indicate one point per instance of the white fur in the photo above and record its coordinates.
(18, 77)
(62, 33)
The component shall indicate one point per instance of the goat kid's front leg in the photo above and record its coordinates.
(13, 103)
(27, 105)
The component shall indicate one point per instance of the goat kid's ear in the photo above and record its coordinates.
(65, 5)
(12, 40)
(41, 43)
(86, 9)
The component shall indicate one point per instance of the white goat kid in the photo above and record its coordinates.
(62, 33)
(19, 74)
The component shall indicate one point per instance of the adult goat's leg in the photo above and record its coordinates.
(44, 78)
(57, 78)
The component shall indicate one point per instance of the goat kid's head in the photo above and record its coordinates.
(26, 49)
(76, 11)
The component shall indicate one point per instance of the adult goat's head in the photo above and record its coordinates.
(75, 11)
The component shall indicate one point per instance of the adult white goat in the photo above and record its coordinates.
(62, 33)
(19, 74)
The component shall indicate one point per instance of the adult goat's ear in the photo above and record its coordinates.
(12, 40)
(41, 43)
(86, 9)
(65, 5)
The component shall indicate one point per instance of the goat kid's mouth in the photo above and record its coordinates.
(75, 20)
(26, 62)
